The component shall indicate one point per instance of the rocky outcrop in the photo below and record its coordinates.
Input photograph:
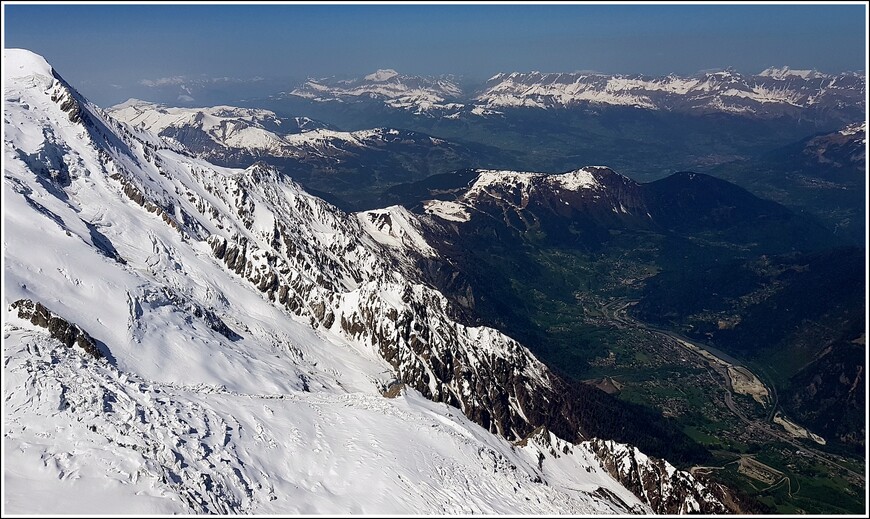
(62, 94)
(58, 327)
(656, 482)
(490, 377)
(666, 489)
(136, 195)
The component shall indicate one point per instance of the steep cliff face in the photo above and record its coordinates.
(827, 395)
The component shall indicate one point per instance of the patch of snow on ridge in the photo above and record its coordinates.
(854, 128)
(576, 180)
(447, 210)
(382, 75)
(510, 179)
(479, 110)
(395, 227)
(583, 178)
(784, 72)
(324, 136)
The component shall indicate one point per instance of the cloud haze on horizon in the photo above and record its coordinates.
(107, 49)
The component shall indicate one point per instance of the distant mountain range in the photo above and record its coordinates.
(420, 94)
(774, 92)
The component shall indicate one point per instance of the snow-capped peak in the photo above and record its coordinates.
(579, 179)
(784, 72)
(382, 75)
(23, 63)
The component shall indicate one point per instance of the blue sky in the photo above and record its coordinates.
(96, 45)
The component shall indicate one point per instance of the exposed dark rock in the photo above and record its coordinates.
(136, 195)
(59, 328)
(64, 97)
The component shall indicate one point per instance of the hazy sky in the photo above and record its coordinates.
(93, 45)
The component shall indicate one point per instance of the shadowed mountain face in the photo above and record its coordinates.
(698, 254)
(553, 209)
(824, 175)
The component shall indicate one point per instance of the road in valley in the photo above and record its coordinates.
(616, 312)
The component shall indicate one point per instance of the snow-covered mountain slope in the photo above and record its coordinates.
(181, 337)
(239, 136)
(224, 124)
(658, 481)
(218, 129)
(101, 440)
(418, 94)
(774, 92)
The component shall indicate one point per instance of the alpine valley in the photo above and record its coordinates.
(407, 295)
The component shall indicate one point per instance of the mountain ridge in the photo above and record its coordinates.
(772, 93)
